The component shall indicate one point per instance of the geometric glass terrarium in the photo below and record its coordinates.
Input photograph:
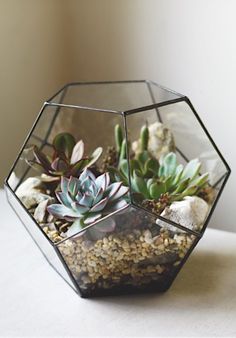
(116, 183)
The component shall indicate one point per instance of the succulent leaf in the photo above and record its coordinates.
(77, 152)
(102, 181)
(178, 174)
(64, 184)
(118, 137)
(169, 164)
(139, 184)
(124, 168)
(190, 191)
(73, 185)
(94, 157)
(75, 227)
(77, 167)
(63, 199)
(87, 198)
(64, 143)
(61, 211)
(191, 170)
(100, 205)
(200, 181)
(161, 171)
(119, 193)
(156, 189)
(122, 151)
(41, 158)
(113, 189)
(99, 195)
(151, 167)
(67, 159)
(169, 183)
(181, 186)
(92, 218)
(144, 138)
(79, 208)
(151, 178)
(150, 181)
(142, 158)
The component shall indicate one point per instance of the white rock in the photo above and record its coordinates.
(161, 140)
(40, 213)
(29, 192)
(28, 184)
(191, 213)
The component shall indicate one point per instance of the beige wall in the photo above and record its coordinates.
(32, 67)
(187, 45)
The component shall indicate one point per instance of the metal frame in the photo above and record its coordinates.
(62, 92)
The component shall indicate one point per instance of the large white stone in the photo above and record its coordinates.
(191, 213)
(30, 192)
(161, 140)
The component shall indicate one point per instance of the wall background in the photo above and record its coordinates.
(186, 45)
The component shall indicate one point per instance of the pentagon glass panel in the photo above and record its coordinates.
(137, 255)
(116, 183)
(179, 130)
(115, 96)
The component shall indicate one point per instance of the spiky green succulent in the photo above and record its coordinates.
(145, 164)
(142, 164)
(67, 159)
(151, 178)
(87, 199)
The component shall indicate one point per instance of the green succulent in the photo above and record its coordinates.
(151, 178)
(67, 159)
(87, 199)
(168, 177)
(145, 165)
(141, 164)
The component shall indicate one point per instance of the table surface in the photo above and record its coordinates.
(35, 301)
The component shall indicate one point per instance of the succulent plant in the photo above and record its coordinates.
(145, 165)
(141, 164)
(176, 180)
(87, 199)
(67, 159)
(152, 179)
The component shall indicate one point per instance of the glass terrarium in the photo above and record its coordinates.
(116, 183)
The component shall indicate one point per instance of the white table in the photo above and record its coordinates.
(35, 301)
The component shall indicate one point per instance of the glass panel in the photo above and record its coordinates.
(137, 254)
(22, 170)
(191, 139)
(170, 162)
(45, 122)
(115, 96)
(95, 128)
(36, 186)
(161, 94)
(39, 238)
